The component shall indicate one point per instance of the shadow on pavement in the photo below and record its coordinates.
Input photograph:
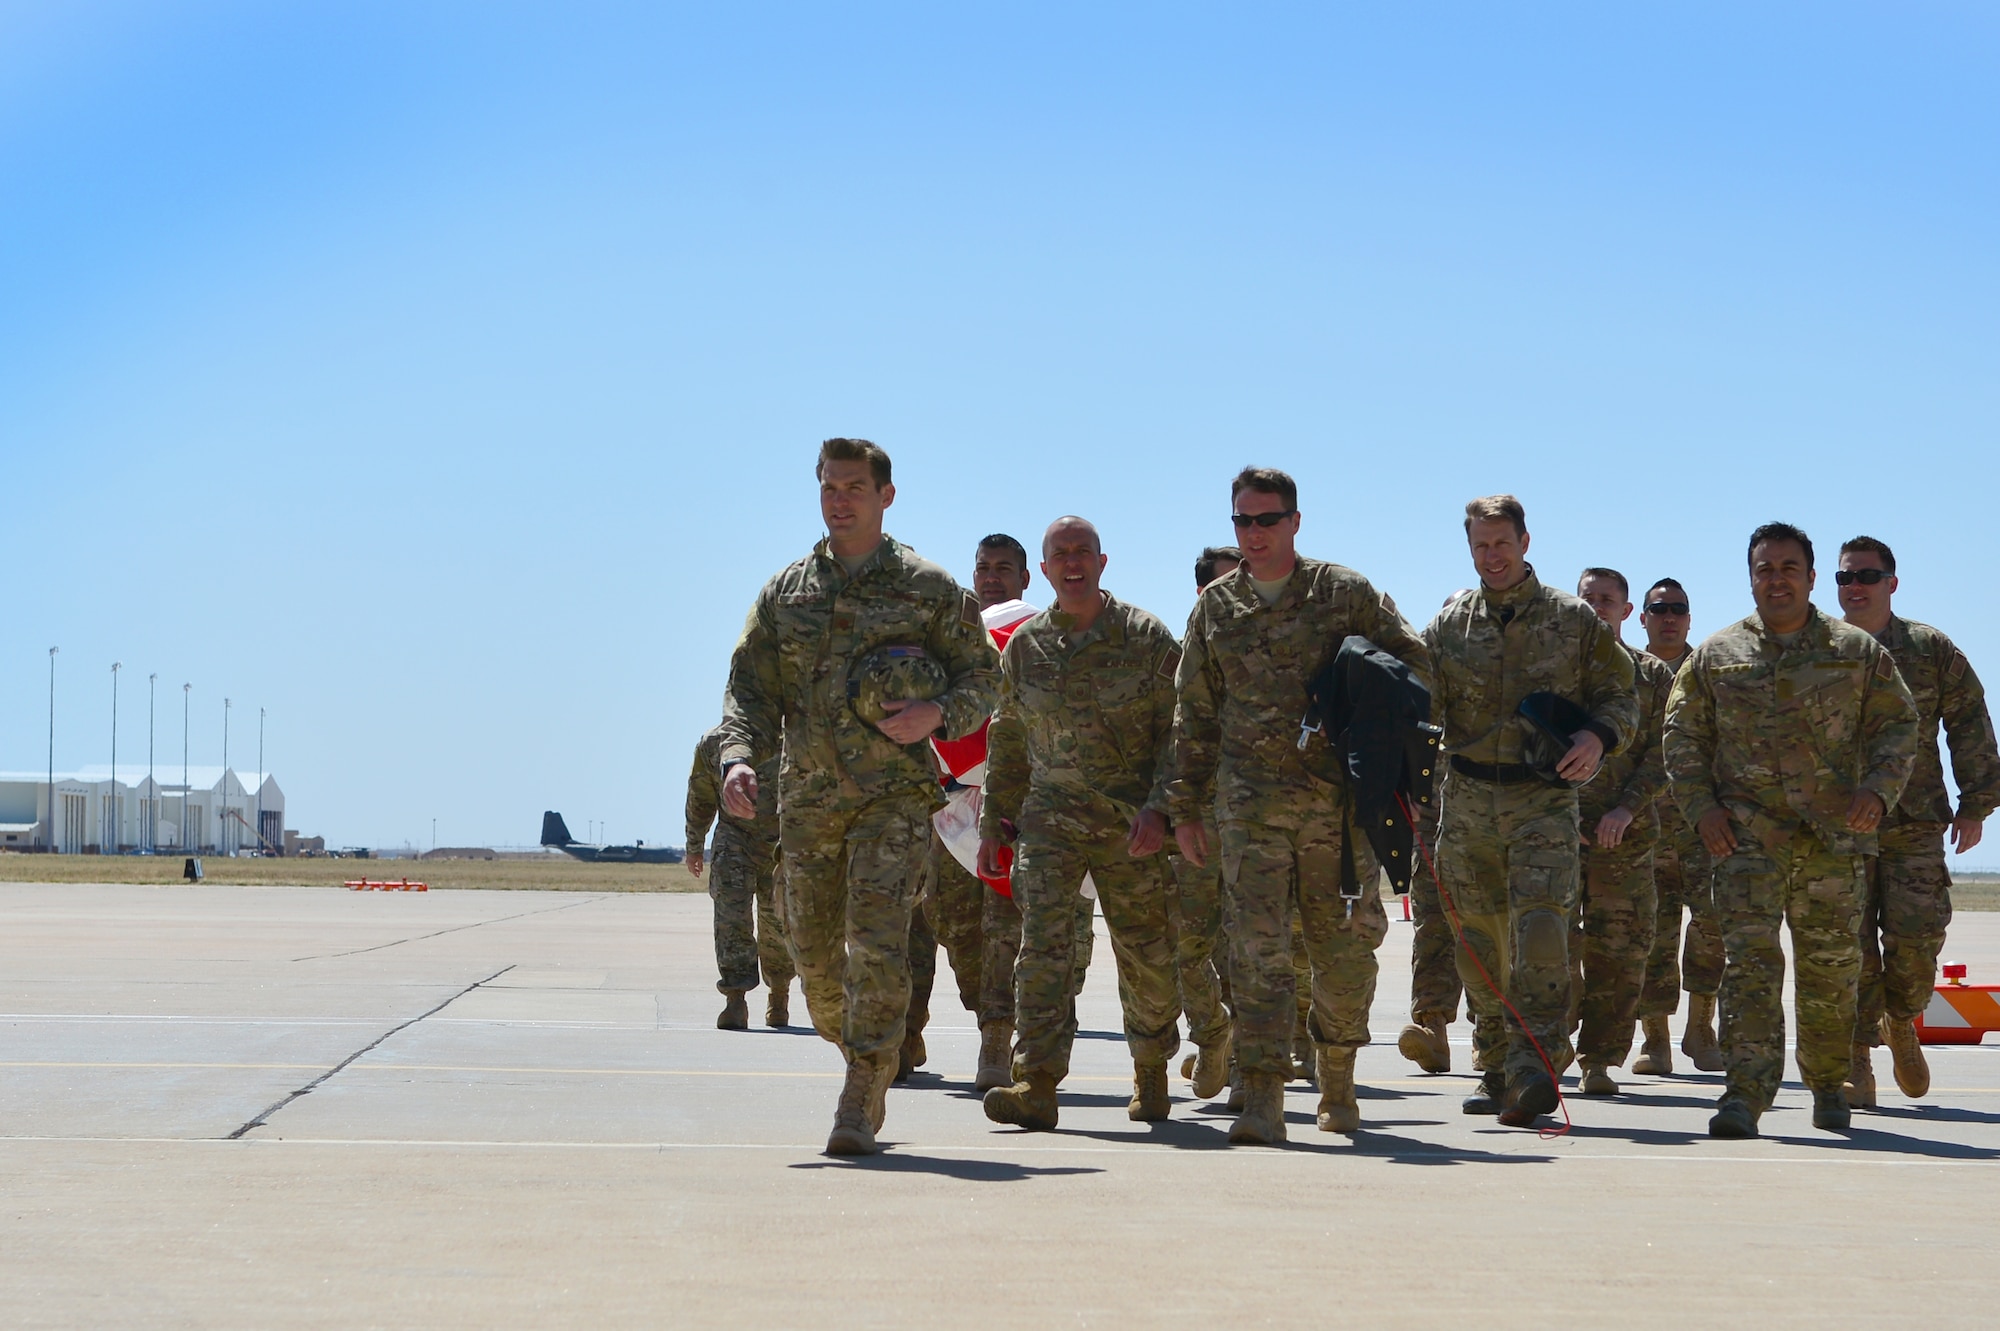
(1874, 1142)
(1914, 1114)
(968, 1171)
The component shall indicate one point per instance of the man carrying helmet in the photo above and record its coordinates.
(850, 659)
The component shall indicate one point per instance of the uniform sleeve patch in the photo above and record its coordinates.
(1956, 670)
(1170, 663)
(968, 611)
(1885, 668)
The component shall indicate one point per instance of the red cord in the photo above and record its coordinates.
(1457, 928)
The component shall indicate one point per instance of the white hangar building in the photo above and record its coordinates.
(217, 812)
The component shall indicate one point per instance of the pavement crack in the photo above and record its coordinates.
(456, 928)
(376, 1043)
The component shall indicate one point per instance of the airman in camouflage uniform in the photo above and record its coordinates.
(742, 866)
(1614, 934)
(1434, 983)
(1788, 736)
(854, 799)
(1909, 888)
(1257, 636)
(1508, 837)
(1076, 772)
(1680, 882)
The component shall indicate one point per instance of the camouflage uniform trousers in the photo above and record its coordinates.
(1197, 921)
(1273, 877)
(742, 876)
(1611, 945)
(1508, 855)
(1680, 880)
(851, 879)
(1902, 926)
(1049, 972)
(1434, 983)
(1794, 880)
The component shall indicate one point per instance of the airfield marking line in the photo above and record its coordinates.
(307, 1089)
(456, 928)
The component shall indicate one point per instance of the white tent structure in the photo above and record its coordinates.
(218, 811)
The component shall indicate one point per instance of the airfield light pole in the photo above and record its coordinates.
(222, 814)
(184, 765)
(152, 786)
(260, 781)
(51, 843)
(111, 841)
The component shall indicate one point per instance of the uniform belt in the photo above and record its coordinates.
(1506, 774)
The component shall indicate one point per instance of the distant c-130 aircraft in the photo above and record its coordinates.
(555, 832)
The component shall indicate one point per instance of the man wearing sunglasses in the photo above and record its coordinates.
(855, 797)
(1680, 879)
(1509, 838)
(1789, 736)
(1909, 888)
(1255, 639)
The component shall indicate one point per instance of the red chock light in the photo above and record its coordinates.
(1954, 971)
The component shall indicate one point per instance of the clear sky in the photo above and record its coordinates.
(446, 378)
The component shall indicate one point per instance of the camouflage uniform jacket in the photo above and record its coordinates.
(1635, 777)
(1492, 649)
(704, 795)
(1674, 826)
(1783, 735)
(1083, 735)
(1947, 693)
(810, 626)
(1242, 685)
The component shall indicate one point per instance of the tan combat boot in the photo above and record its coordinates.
(885, 1065)
(853, 1132)
(778, 1008)
(1860, 1085)
(1913, 1074)
(1699, 1043)
(1424, 1044)
(735, 1014)
(996, 1056)
(1208, 1069)
(1149, 1094)
(1597, 1080)
(1338, 1110)
(1656, 1051)
(912, 1056)
(1029, 1103)
(1262, 1122)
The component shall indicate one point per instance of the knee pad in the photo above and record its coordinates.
(1544, 939)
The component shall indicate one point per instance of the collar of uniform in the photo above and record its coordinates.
(1522, 592)
(876, 558)
(1894, 635)
(1813, 633)
(1242, 595)
(1109, 624)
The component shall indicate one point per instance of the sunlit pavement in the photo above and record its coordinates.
(293, 1106)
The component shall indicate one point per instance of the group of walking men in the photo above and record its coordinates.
(1784, 770)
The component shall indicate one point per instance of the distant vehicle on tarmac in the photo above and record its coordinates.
(555, 832)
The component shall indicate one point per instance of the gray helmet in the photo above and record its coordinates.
(892, 674)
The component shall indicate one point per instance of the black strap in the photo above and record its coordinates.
(1506, 774)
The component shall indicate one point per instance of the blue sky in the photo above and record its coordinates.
(446, 378)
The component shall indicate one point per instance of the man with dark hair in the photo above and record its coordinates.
(1214, 561)
(1077, 781)
(1254, 641)
(1680, 879)
(1909, 888)
(1789, 735)
(744, 863)
(1614, 934)
(823, 675)
(1508, 832)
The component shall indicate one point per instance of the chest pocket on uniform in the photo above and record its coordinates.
(1829, 691)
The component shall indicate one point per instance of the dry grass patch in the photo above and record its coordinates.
(552, 873)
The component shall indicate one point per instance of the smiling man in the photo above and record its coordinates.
(1508, 834)
(822, 677)
(1909, 888)
(1076, 780)
(1788, 736)
(1256, 638)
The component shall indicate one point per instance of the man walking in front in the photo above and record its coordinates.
(1909, 889)
(1256, 639)
(1789, 736)
(1508, 832)
(831, 654)
(1076, 779)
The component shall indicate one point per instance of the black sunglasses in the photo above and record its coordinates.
(1867, 577)
(1667, 608)
(1243, 520)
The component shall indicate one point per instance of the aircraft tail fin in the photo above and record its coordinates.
(555, 832)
